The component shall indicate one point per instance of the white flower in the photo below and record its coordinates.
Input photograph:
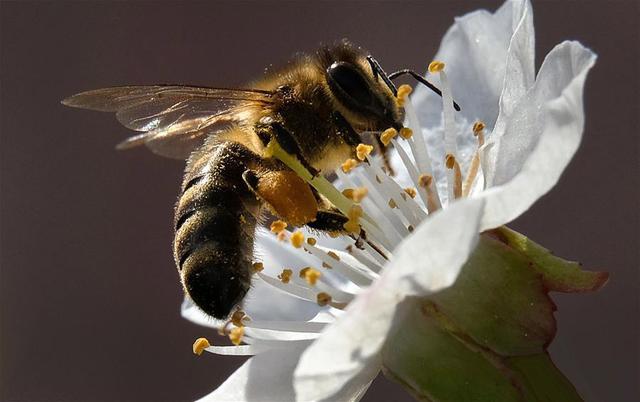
(304, 351)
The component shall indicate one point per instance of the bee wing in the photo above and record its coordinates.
(173, 119)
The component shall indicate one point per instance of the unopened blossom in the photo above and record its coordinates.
(321, 309)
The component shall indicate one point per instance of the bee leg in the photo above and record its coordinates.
(287, 142)
(284, 193)
(329, 221)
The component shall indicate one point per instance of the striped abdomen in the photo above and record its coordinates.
(215, 223)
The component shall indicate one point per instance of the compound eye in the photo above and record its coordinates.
(350, 82)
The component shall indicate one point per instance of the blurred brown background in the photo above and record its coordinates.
(90, 297)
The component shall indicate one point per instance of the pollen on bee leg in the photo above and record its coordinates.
(426, 181)
(297, 239)
(363, 150)
(403, 91)
(236, 335)
(387, 135)
(452, 163)
(348, 165)
(323, 298)
(436, 66)
(200, 345)
(311, 275)
(285, 275)
(278, 226)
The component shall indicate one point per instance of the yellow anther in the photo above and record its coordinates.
(297, 239)
(359, 193)
(352, 226)
(478, 126)
(285, 275)
(450, 161)
(363, 150)
(348, 192)
(323, 299)
(311, 275)
(333, 255)
(237, 318)
(278, 226)
(348, 165)
(282, 235)
(311, 241)
(355, 212)
(411, 192)
(403, 91)
(406, 133)
(436, 66)
(387, 135)
(425, 180)
(200, 345)
(258, 267)
(392, 204)
(236, 335)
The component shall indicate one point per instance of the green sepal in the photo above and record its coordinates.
(485, 338)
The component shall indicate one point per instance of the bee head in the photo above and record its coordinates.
(362, 91)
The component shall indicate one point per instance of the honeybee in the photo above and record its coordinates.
(315, 108)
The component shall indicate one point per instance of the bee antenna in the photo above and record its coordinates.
(379, 72)
(421, 80)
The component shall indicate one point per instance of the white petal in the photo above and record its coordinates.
(475, 52)
(424, 263)
(540, 138)
(268, 377)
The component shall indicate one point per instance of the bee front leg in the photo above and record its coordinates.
(275, 130)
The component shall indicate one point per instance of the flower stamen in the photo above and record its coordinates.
(452, 164)
(200, 345)
(478, 131)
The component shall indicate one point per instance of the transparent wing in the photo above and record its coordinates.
(173, 119)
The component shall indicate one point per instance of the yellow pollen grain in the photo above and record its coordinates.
(387, 135)
(258, 267)
(450, 161)
(425, 180)
(363, 150)
(411, 192)
(406, 133)
(311, 275)
(436, 66)
(323, 299)
(477, 127)
(200, 345)
(297, 239)
(348, 165)
(311, 241)
(285, 275)
(282, 235)
(236, 335)
(278, 226)
(237, 317)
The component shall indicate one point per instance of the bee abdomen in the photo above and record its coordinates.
(213, 247)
